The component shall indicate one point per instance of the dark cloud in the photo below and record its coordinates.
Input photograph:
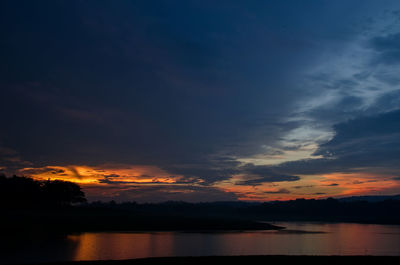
(31, 171)
(75, 173)
(11, 161)
(263, 174)
(365, 137)
(388, 48)
(333, 185)
(114, 179)
(267, 179)
(366, 142)
(280, 191)
(192, 87)
(159, 193)
(357, 182)
(136, 85)
(164, 84)
(209, 170)
(388, 101)
(303, 186)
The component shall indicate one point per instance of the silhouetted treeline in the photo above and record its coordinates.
(385, 211)
(31, 206)
(23, 192)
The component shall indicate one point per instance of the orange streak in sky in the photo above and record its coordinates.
(313, 186)
(98, 175)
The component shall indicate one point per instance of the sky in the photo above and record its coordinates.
(153, 101)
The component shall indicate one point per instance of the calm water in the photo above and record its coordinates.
(298, 239)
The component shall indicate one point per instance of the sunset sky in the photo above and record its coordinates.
(158, 100)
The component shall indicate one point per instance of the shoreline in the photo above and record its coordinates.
(256, 259)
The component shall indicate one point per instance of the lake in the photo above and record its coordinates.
(296, 239)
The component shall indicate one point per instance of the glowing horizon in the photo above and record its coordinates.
(112, 178)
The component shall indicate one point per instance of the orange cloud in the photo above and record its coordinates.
(360, 183)
(315, 186)
(105, 174)
(264, 192)
(110, 179)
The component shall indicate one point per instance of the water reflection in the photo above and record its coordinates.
(93, 246)
(297, 239)
(35, 249)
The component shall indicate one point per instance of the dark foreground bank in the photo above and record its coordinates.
(384, 260)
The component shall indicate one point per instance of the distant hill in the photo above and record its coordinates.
(370, 198)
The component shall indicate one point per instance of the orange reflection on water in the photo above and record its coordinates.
(299, 239)
(105, 246)
(349, 239)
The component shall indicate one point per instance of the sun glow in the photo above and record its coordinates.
(117, 177)
(349, 184)
(102, 175)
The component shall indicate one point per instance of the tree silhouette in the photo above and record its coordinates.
(62, 192)
(26, 192)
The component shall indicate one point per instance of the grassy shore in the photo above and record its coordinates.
(280, 260)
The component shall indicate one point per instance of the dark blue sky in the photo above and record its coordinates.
(203, 100)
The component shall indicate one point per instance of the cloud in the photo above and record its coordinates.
(267, 179)
(303, 186)
(388, 48)
(256, 175)
(148, 89)
(126, 180)
(280, 191)
(198, 94)
(11, 161)
(159, 193)
(207, 170)
(371, 142)
(354, 80)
